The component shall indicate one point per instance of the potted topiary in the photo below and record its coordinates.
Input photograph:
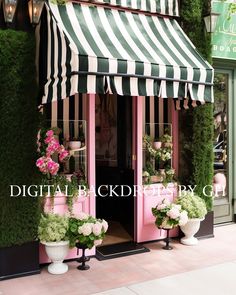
(169, 215)
(85, 231)
(52, 232)
(196, 209)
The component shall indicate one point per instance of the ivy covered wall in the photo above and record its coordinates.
(18, 130)
(196, 126)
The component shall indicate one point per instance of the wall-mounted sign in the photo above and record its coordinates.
(224, 37)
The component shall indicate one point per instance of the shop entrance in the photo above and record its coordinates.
(114, 173)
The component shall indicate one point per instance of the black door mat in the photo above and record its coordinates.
(119, 250)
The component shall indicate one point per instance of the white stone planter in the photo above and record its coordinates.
(190, 229)
(57, 252)
(157, 145)
(74, 144)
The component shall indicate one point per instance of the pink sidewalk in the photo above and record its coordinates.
(115, 273)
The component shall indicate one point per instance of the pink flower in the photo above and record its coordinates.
(85, 229)
(97, 242)
(63, 154)
(161, 206)
(49, 133)
(173, 213)
(53, 146)
(104, 225)
(97, 228)
(82, 216)
(40, 162)
(52, 166)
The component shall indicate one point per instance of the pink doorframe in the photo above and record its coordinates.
(137, 158)
(137, 162)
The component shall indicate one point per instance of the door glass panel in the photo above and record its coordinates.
(221, 91)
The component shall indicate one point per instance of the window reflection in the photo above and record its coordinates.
(220, 135)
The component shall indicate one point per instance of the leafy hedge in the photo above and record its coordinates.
(18, 128)
(197, 137)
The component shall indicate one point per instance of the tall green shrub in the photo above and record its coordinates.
(18, 129)
(197, 138)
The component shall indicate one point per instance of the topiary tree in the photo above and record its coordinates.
(18, 129)
(197, 138)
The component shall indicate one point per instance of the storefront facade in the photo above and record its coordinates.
(126, 71)
(224, 62)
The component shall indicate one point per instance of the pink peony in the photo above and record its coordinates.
(97, 242)
(40, 162)
(63, 154)
(173, 213)
(85, 229)
(97, 228)
(82, 216)
(104, 225)
(52, 166)
(49, 133)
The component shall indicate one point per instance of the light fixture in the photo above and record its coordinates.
(210, 21)
(9, 10)
(35, 9)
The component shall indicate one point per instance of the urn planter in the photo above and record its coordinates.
(57, 252)
(190, 229)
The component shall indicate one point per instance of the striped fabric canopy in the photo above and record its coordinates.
(96, 49)
(163, 7)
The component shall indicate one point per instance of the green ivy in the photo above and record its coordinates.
(197, 124)
(18, 128)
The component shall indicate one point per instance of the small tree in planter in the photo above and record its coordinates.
(85, 231)
(196, 209)
(52, 232)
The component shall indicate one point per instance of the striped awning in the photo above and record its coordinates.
(97, 49)
(163, 7)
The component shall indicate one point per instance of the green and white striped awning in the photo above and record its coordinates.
(163, 7)
(97, 49)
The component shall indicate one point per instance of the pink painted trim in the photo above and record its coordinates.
(175, 133)
(139, 163)
(91, 150)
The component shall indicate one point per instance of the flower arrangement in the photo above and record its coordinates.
(48, 145)
(192, 204)
(53, 228)
(169, 215)
(87, 230)
(163, 153)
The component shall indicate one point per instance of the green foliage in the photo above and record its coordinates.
(86, 230)
(53, 228)
(193, 204)
(197, 125)
(18, 128)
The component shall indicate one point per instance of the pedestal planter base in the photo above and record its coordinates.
(57, 268)
(83, 258)
(189, 241)
(57, 252)
(190, 229)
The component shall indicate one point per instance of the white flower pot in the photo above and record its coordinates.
(74, 144)
(190, 229)
(157, 145)
(57, 252)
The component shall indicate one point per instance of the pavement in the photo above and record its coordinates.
(206, 269)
